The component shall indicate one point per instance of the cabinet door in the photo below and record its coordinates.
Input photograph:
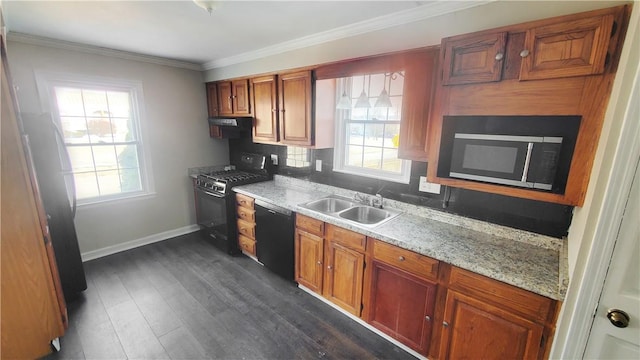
(240, 95)
(215, 132)
(417, 99)
(265, 109)
(343, 276)
(475, 329)
(309, 253)
(295, 108)
(473, 58)
(212, 99)
(402, 306)
(225, 98)
(571, 48)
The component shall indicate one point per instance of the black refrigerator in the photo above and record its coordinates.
(53, 172)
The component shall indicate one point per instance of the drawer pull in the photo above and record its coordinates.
(428, 318)
(319, 262)
(445, 324)
(400, 258)
(329, 267)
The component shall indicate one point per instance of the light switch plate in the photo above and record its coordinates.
(274, 159)
(425, 186)
(318, 165)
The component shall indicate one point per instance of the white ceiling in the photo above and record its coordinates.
(180, 30)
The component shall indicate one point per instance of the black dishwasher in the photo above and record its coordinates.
(274, 238)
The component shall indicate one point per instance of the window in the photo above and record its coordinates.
(100, 125)
(368, 130)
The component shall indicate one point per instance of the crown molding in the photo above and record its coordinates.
(97, 50)
(431, 10)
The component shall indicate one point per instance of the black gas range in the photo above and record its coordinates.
(215, 201)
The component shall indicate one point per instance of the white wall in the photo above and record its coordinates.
(174, 128)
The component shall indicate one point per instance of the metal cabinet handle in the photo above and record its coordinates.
(329, 267)
(319, 262)
(445, 324)
(499, 56)
(618, 318)
(524, 53)
(400, 258)
(428, 318)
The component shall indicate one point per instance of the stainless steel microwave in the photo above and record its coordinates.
(515, 160)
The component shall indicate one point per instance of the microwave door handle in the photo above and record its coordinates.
(527, 161)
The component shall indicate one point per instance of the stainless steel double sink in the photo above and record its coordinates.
(352, 211)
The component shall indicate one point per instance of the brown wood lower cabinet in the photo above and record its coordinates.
(476, 329)
(436, 309)
(402, 305)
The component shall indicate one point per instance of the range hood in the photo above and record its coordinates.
(237, 123)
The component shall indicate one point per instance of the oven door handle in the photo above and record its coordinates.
(209, 193)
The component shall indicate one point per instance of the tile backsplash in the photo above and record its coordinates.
(536, 216)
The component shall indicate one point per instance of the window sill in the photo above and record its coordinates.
(91, 203)
(374, 176)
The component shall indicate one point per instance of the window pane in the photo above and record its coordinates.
(109, 182)
(372, 157)
(123, 129)
(119, 104)
(391, 131)
(127, 156)
(356, 134)
(395, 111)
(99, 129)
(81, 158)
(390, 161)
(359, 113)
(69, 101)
(373, 134)
(105, 158)
(74, 130)
(397, 85)
(377, 84)
(356, 87)
(378, 113)
(86, 185)
(354, 155)
(130, 180)
(95, 103)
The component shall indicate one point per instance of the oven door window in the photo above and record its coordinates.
(492, 159)
(212, 211)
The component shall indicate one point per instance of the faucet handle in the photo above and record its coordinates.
(377, 201)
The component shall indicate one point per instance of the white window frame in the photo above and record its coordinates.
(339, 151)
(46, 82)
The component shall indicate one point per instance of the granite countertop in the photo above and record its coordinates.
(529, 261)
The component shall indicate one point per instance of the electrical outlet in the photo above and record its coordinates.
(425, 186)
(318, 165)
(274, 159)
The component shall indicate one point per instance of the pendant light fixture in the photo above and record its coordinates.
(345, 101)
(363, 99)
(383, 99)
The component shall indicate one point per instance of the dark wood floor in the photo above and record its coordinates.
(184, 299)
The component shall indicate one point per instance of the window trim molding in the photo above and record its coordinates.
(45, 82)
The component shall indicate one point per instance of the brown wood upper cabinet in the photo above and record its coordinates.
(294, 92)
(233, 98)
(574, 45)
(265, 109)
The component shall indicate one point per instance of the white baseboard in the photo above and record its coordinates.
(363, 323)
(94, 254)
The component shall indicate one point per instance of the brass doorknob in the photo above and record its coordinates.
(618, 318)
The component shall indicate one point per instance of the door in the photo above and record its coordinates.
(473, 58)
(621, 291)
(212, 99)
(343, 276)
(309, 253)
(225, 98)
(295, 108)
(265, 111)
(240, 95)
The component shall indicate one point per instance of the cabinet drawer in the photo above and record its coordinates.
(246, 214)
(247, 228)
(244, 201)
(529, 305)
(420, 265)
(310, 225)
(247, 245)
(346, 237)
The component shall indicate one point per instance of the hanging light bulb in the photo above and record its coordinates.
(363, 99)
(383, 99)
(208, 5)
(345, 101)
